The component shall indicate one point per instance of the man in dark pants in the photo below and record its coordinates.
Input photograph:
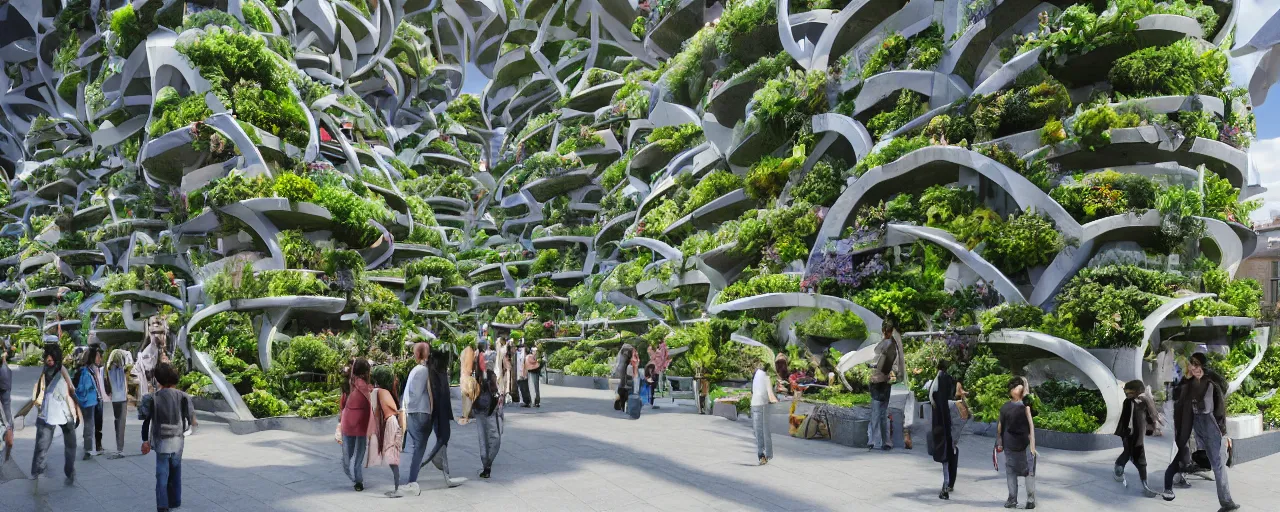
(887, 364)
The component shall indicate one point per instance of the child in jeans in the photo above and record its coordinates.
(166, 416)
(1136, 421)
(1017, 439)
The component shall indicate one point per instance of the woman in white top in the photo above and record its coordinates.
(761, 396)
(54, 397)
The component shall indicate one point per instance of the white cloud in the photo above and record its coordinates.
(1265, 157)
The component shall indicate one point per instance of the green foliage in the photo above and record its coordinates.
(255, 17)
(674, 139)
(176, 112)
(785, 104)
(1222, 201)
(128, 29)
(897, 148)
(831, 324)
(736, 35)
(987, 395)
(821, 186)
(311, 354)
(910, 105)
(837, 397)
(1239, 404)
(1053, 132)
(783, 230)
(1092, 127)
(638, 26)
(1070, 419)
(465, 109)
(294, 188)
(759, 285)
(1105, 194)
(1011, 316)
(1025, 241)
(921, 51)
(711, 186)
(262, 404)
(351, 215)
(219, 18)
(299, 252)
(586, 368)
(1178, 69)
(1103, 307)
(768, 176)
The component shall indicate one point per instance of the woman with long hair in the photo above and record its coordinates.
(441, 412)
(353, 420)
(386, 425)
(943, 392)
(54, 398)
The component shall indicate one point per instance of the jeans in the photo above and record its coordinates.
(523, 385)
(878, 427)
(537, 391)
(168, 480)
(44, 437)
(120, 410)
(419, 432)
(1012, 479)
(1209, 439)
(490, 439)
(354, 449)
(92, 417)
(760, 424)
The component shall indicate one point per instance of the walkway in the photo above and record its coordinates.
(576, 453)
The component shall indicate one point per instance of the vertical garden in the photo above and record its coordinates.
(1058, 189)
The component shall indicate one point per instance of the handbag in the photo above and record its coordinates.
(962, 409)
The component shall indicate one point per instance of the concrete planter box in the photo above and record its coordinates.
(213, 405)
(725, 409)
(848, 426)
(1069, 441)
(1244, 426)
(555, 378)
(578, 381)
(309, 426)
(1256, 447)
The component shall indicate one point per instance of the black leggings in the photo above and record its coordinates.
(953, 466)
(1135, 452)
(1176, 466)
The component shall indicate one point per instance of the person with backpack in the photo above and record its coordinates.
(168, 416)
(1137, 419)
(487, 406)
(1200, 407)
(1016, 437)
(888, 362)
(54, 398)
(91, 392)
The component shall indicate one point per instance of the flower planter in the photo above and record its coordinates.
(555, 377)
(587, 382)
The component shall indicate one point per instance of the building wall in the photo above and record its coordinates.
(1261, 269)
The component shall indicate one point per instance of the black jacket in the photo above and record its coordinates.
(1183, 414)
(1134, 412)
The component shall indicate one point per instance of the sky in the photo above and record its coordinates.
(1265, 154)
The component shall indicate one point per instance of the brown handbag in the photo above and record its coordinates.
(962, 407)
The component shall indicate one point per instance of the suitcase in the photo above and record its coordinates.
(634, 403)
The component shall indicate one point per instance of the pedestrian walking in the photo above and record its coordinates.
(1137, 421)
(650, 382)
(91, 393)
(386, 426)
(522, 375)
(168, 416)
(946, 400)
(761, 396)
(625, 373)
(417, 406)
(1016, 437)
(887, 364)
(1200, 408)
(533, 364)
(117, 388)
(487, 408)
(353, 421)
(54, 398)
(441, 413)
(6, 411)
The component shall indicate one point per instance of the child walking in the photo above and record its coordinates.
(1136, 422)
(1017, 439)
(167, 415)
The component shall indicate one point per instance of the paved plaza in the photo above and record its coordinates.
(577, 453)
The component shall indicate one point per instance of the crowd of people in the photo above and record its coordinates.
(378, 414)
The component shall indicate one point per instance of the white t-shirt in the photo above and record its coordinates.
(760, 389)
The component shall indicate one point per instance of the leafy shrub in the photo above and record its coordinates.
(711, 187)
(1011, 316)
(1092, 127)
(220, 18)
(768, 176)
(1025, 241)
(255, 17)
(1178, 69)
(1070, 419)
(897, 148)
(176, 112)
(1105, 194)
(909, 105)
(586, 368)
(1239, 404)
(294, 188)
(1053, 132)
(674, 139)
(837, 397)
(988, 394)
(315, 404)
(759, 285)
(465, 109)
(738, 24)
(831, 324)
(311, 354)
(785, 104)
(821, 186)
(263, 405)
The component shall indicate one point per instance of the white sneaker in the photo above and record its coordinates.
(456, 481)
(411, 489)
(395, 493)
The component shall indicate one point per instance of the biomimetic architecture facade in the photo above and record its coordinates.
(1058, 188)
